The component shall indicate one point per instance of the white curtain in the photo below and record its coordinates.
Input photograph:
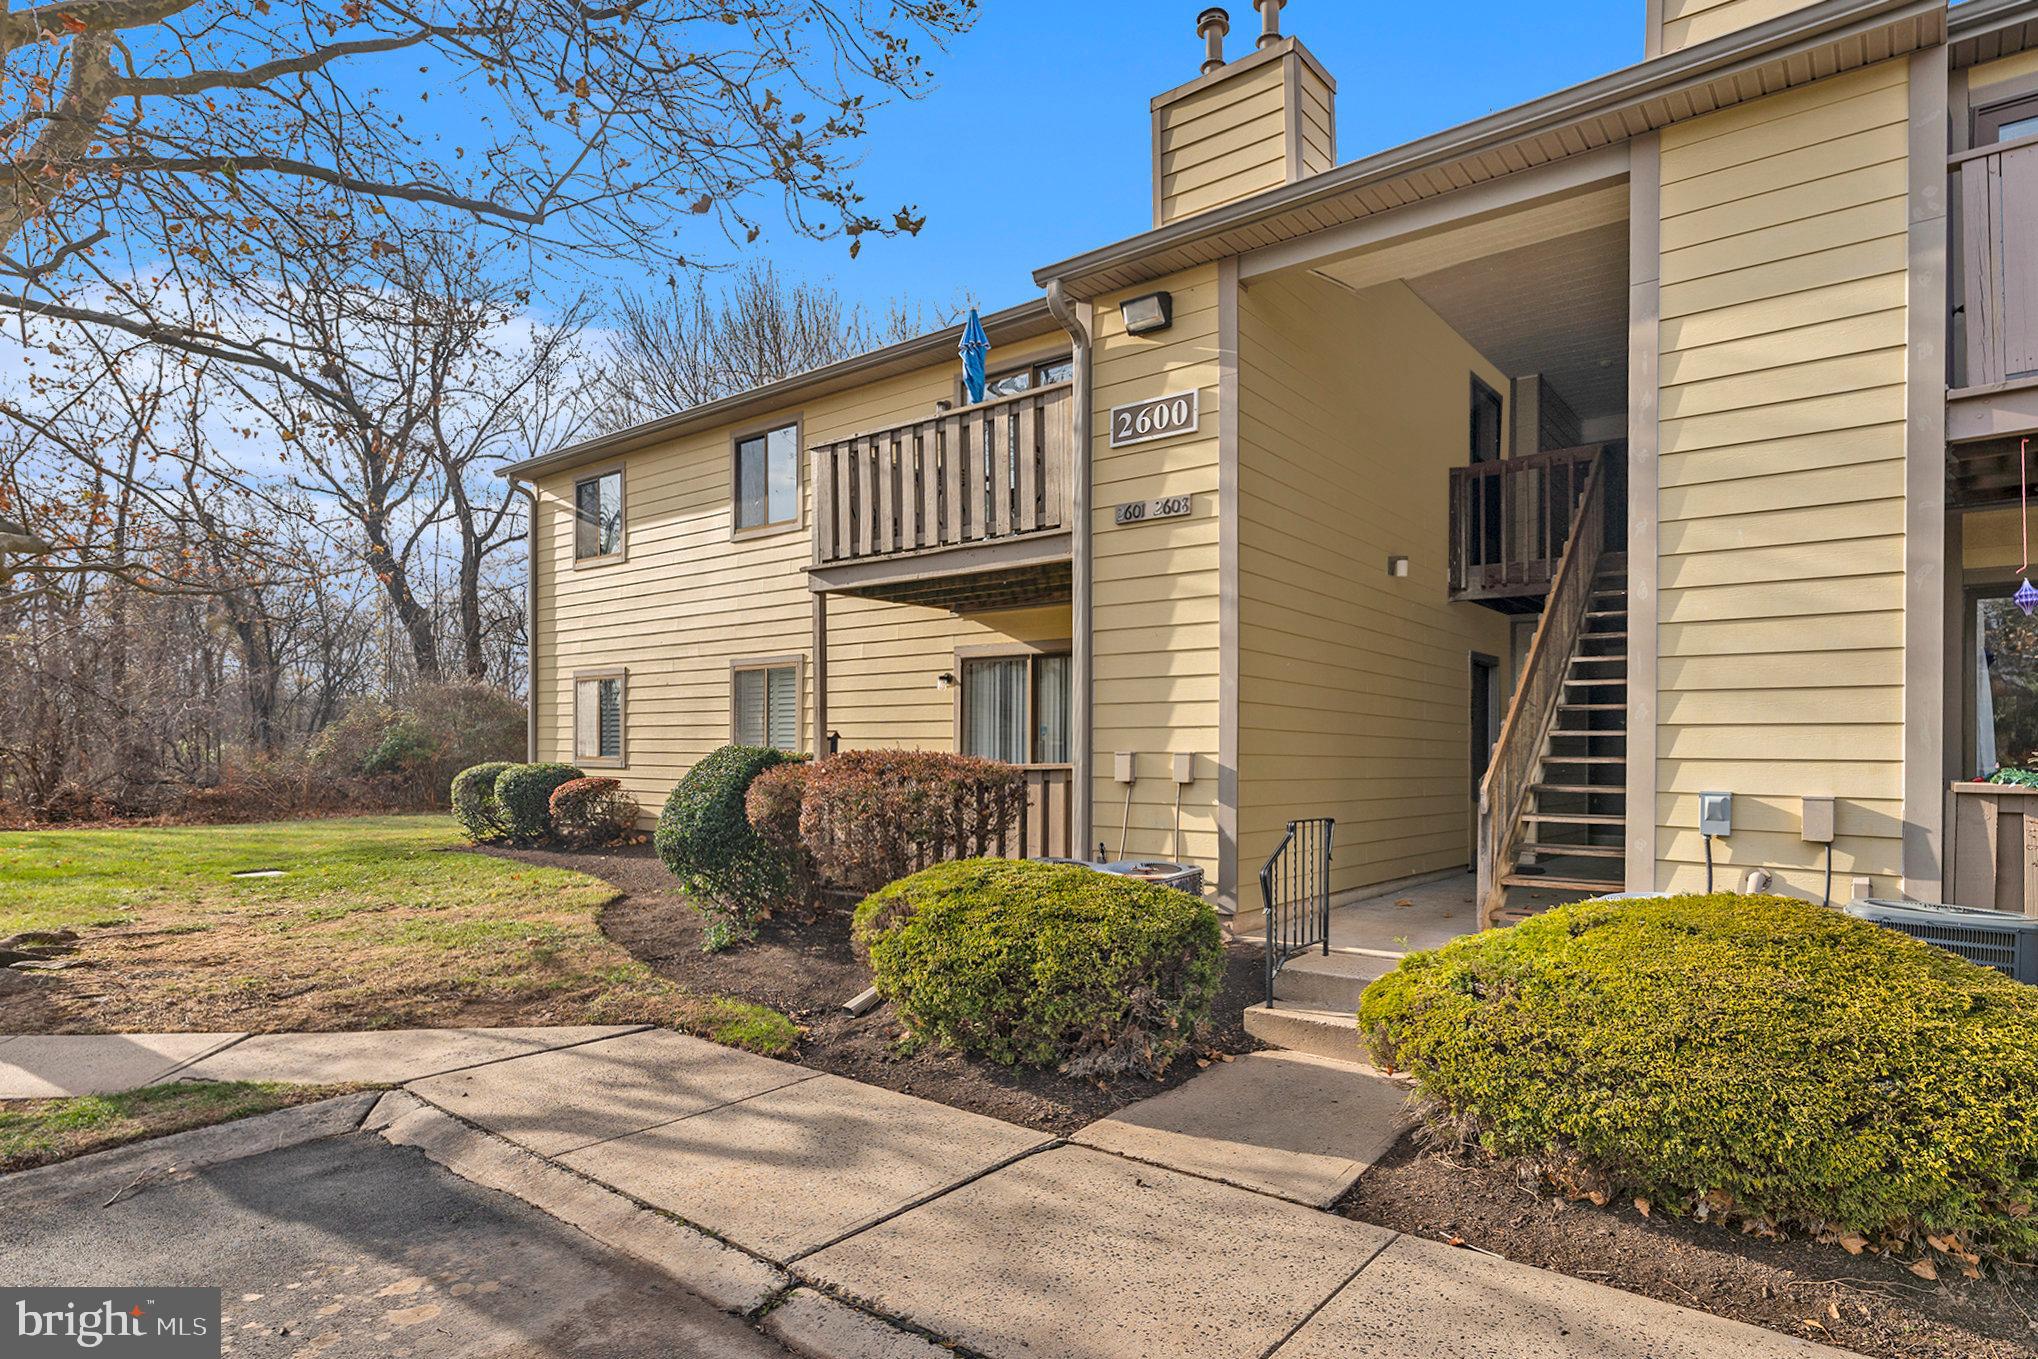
(994, 709)
(1984, 700)
(1051, 711)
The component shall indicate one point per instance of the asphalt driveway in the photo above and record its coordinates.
(352, 1247)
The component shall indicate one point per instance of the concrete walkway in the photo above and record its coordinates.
(857, 1222)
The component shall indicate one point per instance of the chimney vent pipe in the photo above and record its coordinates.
(1270, 21)
(1211, 26)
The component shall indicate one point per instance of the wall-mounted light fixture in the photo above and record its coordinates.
(1149, 314)
(1397, 567)
(945, 680)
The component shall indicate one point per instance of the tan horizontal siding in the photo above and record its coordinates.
(1686, 23)
(1354, 688)
(1224, 143)
(1154, 602)
(1781, 478)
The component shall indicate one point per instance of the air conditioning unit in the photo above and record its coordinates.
(1183, 877)
(2007, 943)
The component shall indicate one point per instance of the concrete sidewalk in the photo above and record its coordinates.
(857, 1222)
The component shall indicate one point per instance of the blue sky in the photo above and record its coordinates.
(1035, 146)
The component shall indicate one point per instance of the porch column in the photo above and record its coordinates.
(820, 674)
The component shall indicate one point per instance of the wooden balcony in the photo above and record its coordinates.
(1511, 520)
(968, 509)
(1998, 247)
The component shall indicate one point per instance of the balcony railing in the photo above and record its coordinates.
(986, 473)
(1998, 245)
(1510, 522)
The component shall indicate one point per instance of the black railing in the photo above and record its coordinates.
(1295, 885)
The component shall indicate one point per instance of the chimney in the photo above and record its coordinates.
(1663, 34)
(1242, 127)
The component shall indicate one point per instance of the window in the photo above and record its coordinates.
(768, 478)
(1016, 709)
(2007, 121)
(1486, 423)
(598, 516)
(1043, 374)
(598, 719)
(765, 700)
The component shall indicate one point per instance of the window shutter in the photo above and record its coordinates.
(611, 719)
(784, 718)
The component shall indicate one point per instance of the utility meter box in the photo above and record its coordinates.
(1716, 813)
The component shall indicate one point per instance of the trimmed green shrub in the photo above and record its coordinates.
(870, 817)
(731, 875)
(772, 806)
(589, 812)
(1045, 964)
(1751, 1058)
(524, 792)
(474, 804)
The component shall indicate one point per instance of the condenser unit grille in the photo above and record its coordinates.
(2007, 943)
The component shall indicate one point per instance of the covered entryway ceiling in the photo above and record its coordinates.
(1541, 289)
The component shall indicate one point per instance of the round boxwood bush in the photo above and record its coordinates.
(474, 804)
(1751, 1058)
(525, 793)
(1045, 964)
(704, 836)
(591, 812)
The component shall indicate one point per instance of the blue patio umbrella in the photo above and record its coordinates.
(975, 350)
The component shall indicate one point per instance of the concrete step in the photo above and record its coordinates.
(1320, 1033)
(1330, 983)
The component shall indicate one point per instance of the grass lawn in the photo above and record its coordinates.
(35, 1132)
(377, 922)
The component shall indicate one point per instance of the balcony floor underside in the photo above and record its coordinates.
(980, 592)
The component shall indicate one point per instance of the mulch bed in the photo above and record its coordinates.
(807, 971)
(1864, 1303)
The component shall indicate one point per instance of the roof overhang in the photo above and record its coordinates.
(1024, 322)
(1820, 40)
(1982, 30)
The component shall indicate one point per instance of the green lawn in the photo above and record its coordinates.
(38, 1131)
(377, 922)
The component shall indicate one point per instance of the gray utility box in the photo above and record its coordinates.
(2007, 943)
(1183, 876)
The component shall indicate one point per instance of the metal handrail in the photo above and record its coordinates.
(1295, 885)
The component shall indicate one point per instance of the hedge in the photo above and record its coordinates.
(1045, 964)
(474, 804)
(595, 811)
(772, 807)
(871, 817)
(525, 794)
(1752, 1058)
(704, 836)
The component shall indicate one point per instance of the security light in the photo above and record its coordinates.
(1148, 314)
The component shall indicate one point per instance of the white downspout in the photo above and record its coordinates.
(1081, 828)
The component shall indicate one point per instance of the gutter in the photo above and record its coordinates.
(1967, 25)
(1081, 572)
(530, 494)
(1599, 97)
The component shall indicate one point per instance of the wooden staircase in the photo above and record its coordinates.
(1573, 829)
(1552, 808)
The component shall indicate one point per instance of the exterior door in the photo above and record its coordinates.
(1485, 728)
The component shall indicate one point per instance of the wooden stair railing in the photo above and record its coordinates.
(1517, 754)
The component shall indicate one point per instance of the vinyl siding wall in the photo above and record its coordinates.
(1155, 590)
(1781, 479)
(1223, 143)
(689, 600)
(1354, 687)
(1686, 23)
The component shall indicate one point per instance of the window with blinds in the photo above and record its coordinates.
(598, 718)
(767, 707)
(598, 516)
(1016, 709)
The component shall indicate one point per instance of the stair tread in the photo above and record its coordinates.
(1598, 735)
(1547, 851)
(1575, 819)
(1602, 681)
(1609, 789)
(1561, 884)
(1592, 707)
(1585, 759)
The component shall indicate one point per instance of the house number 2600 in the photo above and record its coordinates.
(1161, 418)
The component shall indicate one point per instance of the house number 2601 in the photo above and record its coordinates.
(1161, 418)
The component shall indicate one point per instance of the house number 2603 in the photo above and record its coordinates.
(1162, 418)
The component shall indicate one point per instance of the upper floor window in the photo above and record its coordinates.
(2007, 121)
(598, 516)
(1043, 374)
(768, 478)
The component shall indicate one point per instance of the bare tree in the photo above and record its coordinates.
(690, 345)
